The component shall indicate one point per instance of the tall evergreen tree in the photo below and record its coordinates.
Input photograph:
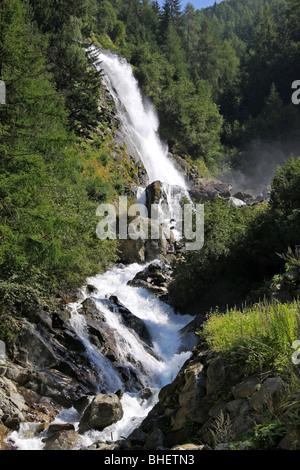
(171, 14)
(64, 23)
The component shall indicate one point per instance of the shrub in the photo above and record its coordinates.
(285, 188)
(9, 329)
(98, 190)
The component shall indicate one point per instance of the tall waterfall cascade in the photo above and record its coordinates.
(139, 120)
(155, 366)
(140, 124)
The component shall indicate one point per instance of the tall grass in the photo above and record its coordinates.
(261, 335)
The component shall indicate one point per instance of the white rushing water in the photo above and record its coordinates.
(156, 366)
(153, 371)
(139, 119)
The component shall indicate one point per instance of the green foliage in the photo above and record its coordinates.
(201, 69)
(268, 436)
(190, 120)
(225, 226)
(50, 186)
(66, 25)
(261, 335)
(285, 195)
(9, 329)
(241, 247)
(98, 190)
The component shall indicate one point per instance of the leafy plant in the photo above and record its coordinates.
(267, 437)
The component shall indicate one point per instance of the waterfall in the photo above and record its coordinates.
(153, 370)
(139, 119)
(153, 366)
(140, 123)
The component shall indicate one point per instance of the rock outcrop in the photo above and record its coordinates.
(210, 402)
(131, 321)
(205, 189)
(155, 279)
(103, 411)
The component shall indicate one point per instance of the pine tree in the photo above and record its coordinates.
(64, 23)
(34, 117)
(171, 14)
(174, 51)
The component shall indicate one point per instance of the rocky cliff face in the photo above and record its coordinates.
(211, 405)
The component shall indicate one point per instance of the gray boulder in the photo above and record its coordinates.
(269, 393)
(103, 411)
(210, 189)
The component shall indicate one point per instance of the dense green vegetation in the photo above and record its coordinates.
(220, 79)
(52, 177)
(260, 336)
(241, 247)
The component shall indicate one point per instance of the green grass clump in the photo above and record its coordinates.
(261, 335)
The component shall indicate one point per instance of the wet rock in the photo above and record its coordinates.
(102, 412)
(155, 249)
(131, 321)
(91, 289)
(62, 440)
(58, 428)
(81, 404)
(154, 278)
(38, 387)
(130, 376)
(236, 202)
(40, 350)
(54, 429)
(58, 321)
(132, 251)
(145, 394)
(136, 438)
(154, 194)
(12, 423)
(89, 308)
(70, 341)
(190, 170)
(142, 175)
(103, 338)
(245, 197)
(4, 433)
(188, 336)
